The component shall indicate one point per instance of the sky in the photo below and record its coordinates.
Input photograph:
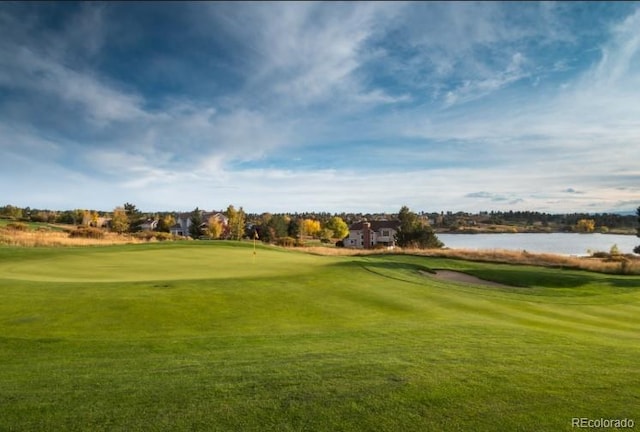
(293, 107)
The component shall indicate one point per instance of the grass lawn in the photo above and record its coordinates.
(205, 336)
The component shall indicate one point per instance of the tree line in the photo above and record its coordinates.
(637, 248)
(291, 227)
(564, 221)
(270, 228)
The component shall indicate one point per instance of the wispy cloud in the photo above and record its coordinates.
(25, 69)
(475, 89)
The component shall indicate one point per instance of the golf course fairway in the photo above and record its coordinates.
(208, 336)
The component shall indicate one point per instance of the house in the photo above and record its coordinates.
(183, 222)
(367, 235)
(149, 225)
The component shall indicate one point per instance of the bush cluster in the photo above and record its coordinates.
(18, 226)
(151, 235)
(87, 232)
(289, 242)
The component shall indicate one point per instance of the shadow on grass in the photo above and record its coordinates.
(516, 276)
(396, 270)
(552, 278)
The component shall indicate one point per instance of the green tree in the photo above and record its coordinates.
(134, 215)
(195, 230)
(237, 220)
(408, 224)
(278, 227)
(339, 227)
(12, 212)
(39, 216)
(293, 230)
(131, 210)
(67, 217)
(325, 235)
(119, 221)
(415, 233)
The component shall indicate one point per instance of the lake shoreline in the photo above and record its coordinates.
(516, 230)
(571, 244)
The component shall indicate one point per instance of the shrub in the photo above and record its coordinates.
(87, 232)
(161, 236)
(286, 241)
(625, 266)
(144, 235)
(150, 235)
(18, 226)
(380, 246)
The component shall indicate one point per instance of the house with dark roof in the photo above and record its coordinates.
(183, 222)
(367, 235)
(149, 225)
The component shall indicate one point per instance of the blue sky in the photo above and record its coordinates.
(360, 107)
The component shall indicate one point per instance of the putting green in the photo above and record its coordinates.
(202, 260)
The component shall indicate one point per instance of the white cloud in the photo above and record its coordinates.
(23, 68)
(589, 129)
(18, 141)
(307, 53)
(620, 57)
(378, 96)
(475, 89)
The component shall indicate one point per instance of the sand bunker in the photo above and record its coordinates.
(463, 277)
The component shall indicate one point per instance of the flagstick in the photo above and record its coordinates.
(254, 246)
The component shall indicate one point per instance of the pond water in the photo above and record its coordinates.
(558, 243)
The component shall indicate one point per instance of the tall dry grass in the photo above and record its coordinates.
(614, 265)
(42, 238)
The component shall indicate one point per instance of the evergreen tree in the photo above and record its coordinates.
(134, 215)
(293, 230)
(274, 228)
(196, 221)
